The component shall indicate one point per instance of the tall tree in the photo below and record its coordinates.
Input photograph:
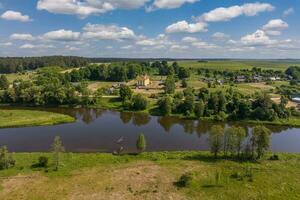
(170, 85)
(260, 140)
(125, 93)
(4, 84)
(215, 139)
(57, 148)
(141, 143)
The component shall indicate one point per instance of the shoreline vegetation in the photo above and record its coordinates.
(25, 118)
(291, 122)
(150, 175)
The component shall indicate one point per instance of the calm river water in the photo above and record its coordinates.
(98, 130)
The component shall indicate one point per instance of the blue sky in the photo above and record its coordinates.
(151, 28)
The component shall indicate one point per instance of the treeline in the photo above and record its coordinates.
(222, 105)
(19, 64)
(233, 142)
(47, 89)
(118, 72)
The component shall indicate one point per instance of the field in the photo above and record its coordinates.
(234, 65)
(151, 176)
(21, 118)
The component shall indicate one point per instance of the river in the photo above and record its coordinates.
(97, 130)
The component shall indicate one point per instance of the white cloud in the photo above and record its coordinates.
(32, 46)
(20, 36)
(27, 46)
(127, 47)
(258, 38)
(220, 36)
(6, 44)
(226, 14)
(62, 35)
(275, 26)
(177, 47)
(84, 8)
(184, 26)
(168, 4)
(160, 40)
(15, 16)
(71, 48)
(107, 32)
(288, 12)
(189, 39)
(203, 45)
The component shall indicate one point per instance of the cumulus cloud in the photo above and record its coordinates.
(220, 36)
(189, 39)
(107, 32)
(159, 41)
(275, 26)
(288, 12)
(21, 36)
(258, 38)
(177, 47)
(127, 47)
(15, 16)
(184, 26)
(168, 4)
(33, 46)
(6, 44)
(226, 14)
(62, 35)
(84, 8)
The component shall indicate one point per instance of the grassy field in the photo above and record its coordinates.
(234, 65)
(24, 76)
(21, 118)
(151, 176)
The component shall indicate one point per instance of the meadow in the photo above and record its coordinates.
(234, 65)
(22, 118)
(161, 175)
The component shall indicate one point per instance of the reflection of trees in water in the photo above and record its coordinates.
(98, 113)
(277, 129)
(203, 127)
(140, 119)
(167, 122)
(87, 116)
(188, 126)
(126, 117)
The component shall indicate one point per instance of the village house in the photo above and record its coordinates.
(240, 79)
(143, 80)
(257, 78)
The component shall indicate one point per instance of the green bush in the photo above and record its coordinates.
(43, 161)
(186, 180)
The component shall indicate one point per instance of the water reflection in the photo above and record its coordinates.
(98, 129)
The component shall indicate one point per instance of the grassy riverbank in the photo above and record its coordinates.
(151, 176)
(22, 118)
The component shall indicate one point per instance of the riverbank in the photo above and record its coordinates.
(151, 176)
(24, 118)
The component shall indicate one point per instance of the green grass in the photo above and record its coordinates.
(234, 65)
(293, 122)
(22, 118)
(150, 176)
(24, 76)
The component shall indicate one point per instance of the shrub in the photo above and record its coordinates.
(274, 157)
(186, 180)
(43, 161)
(139, 102)
(6, 159)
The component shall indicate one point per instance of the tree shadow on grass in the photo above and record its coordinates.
(212, 159)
